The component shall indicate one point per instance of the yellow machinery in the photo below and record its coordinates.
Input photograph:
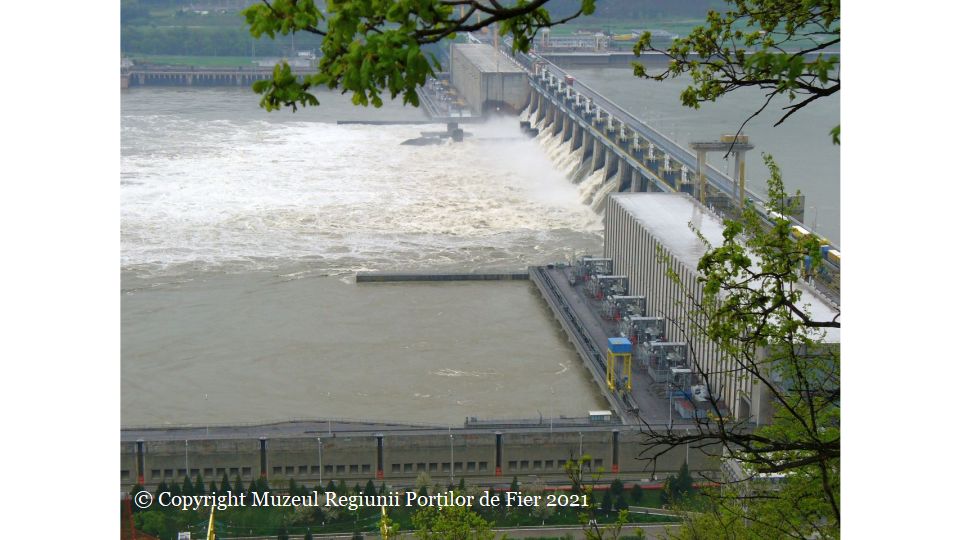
(619, 370)
(211, 535)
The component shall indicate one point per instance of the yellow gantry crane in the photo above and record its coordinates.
(619, 370)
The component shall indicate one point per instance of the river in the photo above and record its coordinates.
(241, 231)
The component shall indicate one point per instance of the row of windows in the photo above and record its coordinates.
(441, 467)
(208, 472)
(537, 464)
(290, 470)
(304, 470)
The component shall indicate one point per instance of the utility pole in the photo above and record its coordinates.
(320, 458)
(451, 459)
(670, 401)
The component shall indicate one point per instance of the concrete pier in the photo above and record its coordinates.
(385, 277)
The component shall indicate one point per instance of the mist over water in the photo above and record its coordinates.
(241, 230)
(801, 146)
(250, 193)
(231, 219)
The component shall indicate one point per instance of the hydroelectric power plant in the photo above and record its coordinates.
(481, 379)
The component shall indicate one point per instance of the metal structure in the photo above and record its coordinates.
(617, 306)
(601, 286)
(640, 330)
(619, 369)
(681, 378)
(738, 144)
(661, 357)
(640, 158)
(592, 266)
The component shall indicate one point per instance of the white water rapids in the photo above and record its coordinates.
(252, 193)
(592, 188)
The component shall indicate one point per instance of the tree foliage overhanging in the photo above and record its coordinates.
(779, 46)
(756, 311)
(752, 305)
(373, 46)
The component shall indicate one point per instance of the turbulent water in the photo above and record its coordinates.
(240, 234)
(801, 146)
(248, 192)
(241, 230)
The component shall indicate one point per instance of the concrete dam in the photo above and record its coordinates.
(601, 148)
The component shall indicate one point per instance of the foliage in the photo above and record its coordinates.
(238, 485)
(582, 481)
(754, 310)
(388, 529)
(151, 522)
(133, 493)
(606, 503)
(451, 522)
(187, 488)
(616, 487)
(677, 488)
(371, 46)
(775, 45)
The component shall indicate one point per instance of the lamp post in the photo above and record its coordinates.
(186, 457)
(670, 403)
(581, 443)
(451, 459)
(208, 412)
(320, 459)
(553, 412)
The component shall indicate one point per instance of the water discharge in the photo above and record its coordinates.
(247, 193)
(231, 219)
(589, 187)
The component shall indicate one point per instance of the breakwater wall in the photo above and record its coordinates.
(386, 277)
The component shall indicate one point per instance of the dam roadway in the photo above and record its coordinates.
(345, 428)
(635, 157)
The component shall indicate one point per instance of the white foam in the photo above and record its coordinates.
(347, 196)
(590, 186)
(601, 195)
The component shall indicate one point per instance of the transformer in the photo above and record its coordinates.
(640, 330)
(601, 286)
(592, 266)
(662, 357)
(616, 306)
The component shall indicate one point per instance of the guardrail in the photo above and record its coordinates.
(275, 423)
(827, 286)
